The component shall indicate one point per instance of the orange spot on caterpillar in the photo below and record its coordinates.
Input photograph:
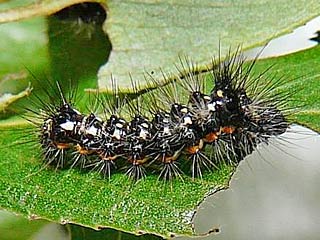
(192, 149)
(83, 151)
(228, 130)
(211, 137)
(169, 159)
(195, 148)
(62, 145)
(108, 158)
(138, 161)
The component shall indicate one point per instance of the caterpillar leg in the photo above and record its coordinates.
(169, 166)
(199, 160)
(56, 154)
(80, 156)
(104, 167)
(169, 171)
(136, 172)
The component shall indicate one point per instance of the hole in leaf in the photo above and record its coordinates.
(78, 46)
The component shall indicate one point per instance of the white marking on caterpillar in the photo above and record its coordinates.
(92, 131)
(117, 134)
(187, 121)
(212, 107)
(68, 126)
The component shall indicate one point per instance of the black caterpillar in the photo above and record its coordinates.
(177, 128)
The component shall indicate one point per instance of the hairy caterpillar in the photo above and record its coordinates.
(181, 127)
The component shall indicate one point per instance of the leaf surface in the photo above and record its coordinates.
(134, 29)
(148, 206)
(149, 36)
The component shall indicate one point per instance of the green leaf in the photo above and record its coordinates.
(147, 36)
(9, 93)
(19, 10)
(23, 44)
(84, 198)
(19, 44)
(148, 206)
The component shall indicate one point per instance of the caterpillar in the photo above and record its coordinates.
(181, 127)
